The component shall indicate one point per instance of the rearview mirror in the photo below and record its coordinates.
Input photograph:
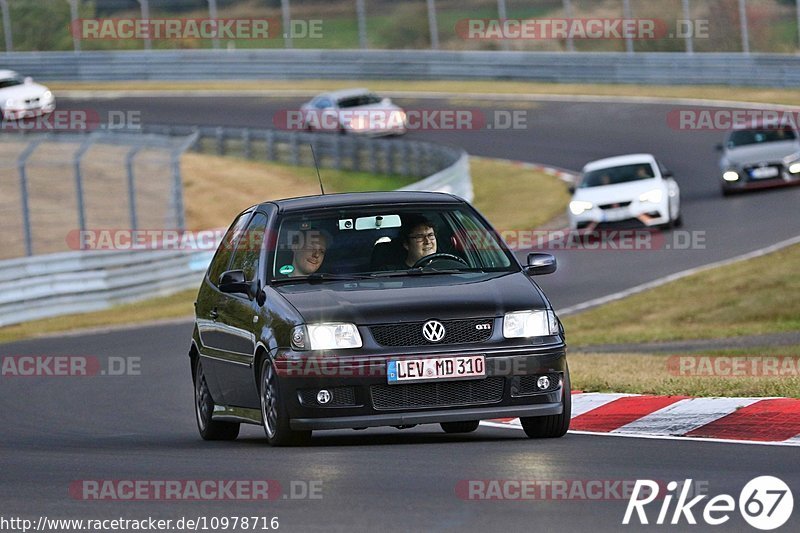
(540, 264)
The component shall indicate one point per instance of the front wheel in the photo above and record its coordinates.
(204, 407)
(460, 427)
(551, 426)
(274, 417)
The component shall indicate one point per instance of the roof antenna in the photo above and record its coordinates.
(316, 165)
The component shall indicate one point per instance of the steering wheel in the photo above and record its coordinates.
(428, 259)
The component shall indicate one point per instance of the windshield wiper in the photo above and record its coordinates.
(419, 271)
(318, 277)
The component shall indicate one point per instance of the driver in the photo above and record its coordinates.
(418, 237)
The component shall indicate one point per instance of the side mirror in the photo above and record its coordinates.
(28, 80)
(571, 189)
(234, 282)
(540, 264)
(667, 174)
(719, 147)
(386, 101)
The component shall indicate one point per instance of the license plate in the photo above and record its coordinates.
(615, 215)
(764, 172)
(443, 368)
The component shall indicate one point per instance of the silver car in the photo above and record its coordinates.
(357, 111)
(760, 157)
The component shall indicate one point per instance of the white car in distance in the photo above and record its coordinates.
(22, 97)
(625, 189)
(357, 111)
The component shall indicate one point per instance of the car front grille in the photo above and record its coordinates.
(446, 394)
(615, 206)
(456, 332)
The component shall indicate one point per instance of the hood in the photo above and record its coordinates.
(22, 92)
(621, 192)
(752, 154)
(409, 299)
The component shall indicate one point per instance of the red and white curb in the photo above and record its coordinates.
(745, 420)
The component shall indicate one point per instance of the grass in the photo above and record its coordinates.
(748, 298)
(217, 188)
(505, 194)
(744, 94)
(655, 374)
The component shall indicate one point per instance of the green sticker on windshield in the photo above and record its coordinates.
(286, 270)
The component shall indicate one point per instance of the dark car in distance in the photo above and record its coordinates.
(374, 309)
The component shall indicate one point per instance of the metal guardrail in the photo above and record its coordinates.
(665, 68)
(82, 281)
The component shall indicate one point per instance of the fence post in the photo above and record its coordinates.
(76, 163)
(248, 147)
(7, 26)
(23, 189)
(212, 14)
(626, 6)
(744, 28)
(132, 185)
(145, 5)
(501, 14)
(362, 24)
(404, 158)
(219, 134)
(337, 152)
(74, 29)
(177, 182)
(568, 15)
(687, 15)
(295, 150)
(270, 140)
(287, 23)
(432, 24)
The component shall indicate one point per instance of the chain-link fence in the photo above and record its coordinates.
(770, 26)
(52, 186)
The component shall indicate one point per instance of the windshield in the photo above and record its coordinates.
(759, 136)
(11, 82)
(614, 175)
(360, 100)
(386, 241)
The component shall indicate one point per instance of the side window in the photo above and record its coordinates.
(248, 247)
(221, 259)
(323, 103)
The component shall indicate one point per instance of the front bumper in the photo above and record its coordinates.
(647, 213)
(363, 398)
(16, 113)
(747, 183)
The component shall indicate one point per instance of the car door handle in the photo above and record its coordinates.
(214, 314)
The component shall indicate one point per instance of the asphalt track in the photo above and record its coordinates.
(134, 427)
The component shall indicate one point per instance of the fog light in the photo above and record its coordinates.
(323, 397)
(543, 383)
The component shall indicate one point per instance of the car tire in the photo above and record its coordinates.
(551, 426)
(460, 427)
(204, 406)
(274, 416)
(678, 222)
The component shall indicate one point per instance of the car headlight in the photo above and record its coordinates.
(521, 324)
(653, 196)
(47, 95)
(794, 168)
(578, 207)
(328, 336)
(11, 102)
(731, 175)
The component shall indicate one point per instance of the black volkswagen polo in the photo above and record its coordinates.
(374, 309)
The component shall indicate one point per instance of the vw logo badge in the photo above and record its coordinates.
(323, 397)
(433, 331)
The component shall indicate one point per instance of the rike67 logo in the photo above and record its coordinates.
(765, 503)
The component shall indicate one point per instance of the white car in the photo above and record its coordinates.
(21, 97)
(626, 188)
(353, 111)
